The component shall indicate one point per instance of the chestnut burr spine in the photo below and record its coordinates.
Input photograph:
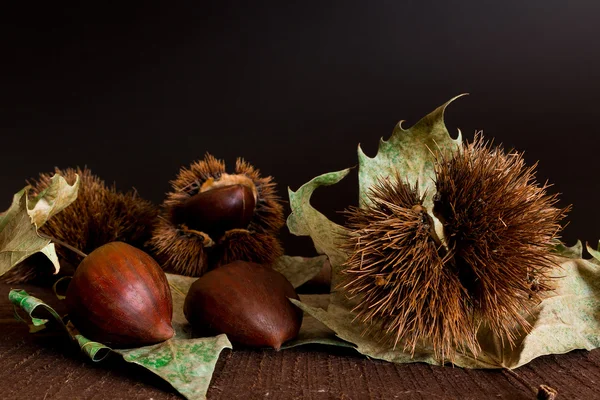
(398, 269)
(501, 226)
(183, 249)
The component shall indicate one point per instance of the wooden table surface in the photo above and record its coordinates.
(48, 366)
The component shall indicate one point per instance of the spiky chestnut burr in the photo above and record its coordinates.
(398, 267)
(212, 218)
(499, 226)
(100, 214)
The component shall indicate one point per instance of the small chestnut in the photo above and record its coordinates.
(120, 296)
(217, 210)
(247, 301)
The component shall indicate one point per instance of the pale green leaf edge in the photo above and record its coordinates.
(412, 151)
(305, 220)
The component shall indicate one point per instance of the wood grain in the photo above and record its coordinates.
(47, 366)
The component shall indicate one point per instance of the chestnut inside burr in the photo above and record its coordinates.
(217, 210)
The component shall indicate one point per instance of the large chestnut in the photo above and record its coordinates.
(217, 210)
(247, 301)
(120, 296)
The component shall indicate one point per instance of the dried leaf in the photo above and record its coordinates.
(55, 198)
(575, 251)
(412, 152)
(564, 321)
(19, 238)
(567, 320)
(299, 270)
(312, 330)
(341, 321)
(42, 314)
(187, 364)
(593, 253)
(307, 221)
(180, 285)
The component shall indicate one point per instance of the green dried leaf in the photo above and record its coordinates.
(307, 221)
(94, 350)
(564, 321)
(412, 152)
(19, 238)
(187, 364)
(42, 314)
(30, 304)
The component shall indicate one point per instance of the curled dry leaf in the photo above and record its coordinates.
(19, 238)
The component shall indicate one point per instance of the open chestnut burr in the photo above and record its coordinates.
(212, 217)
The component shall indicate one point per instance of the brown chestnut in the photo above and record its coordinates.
(247, 301)
(217, 210)
(120, 296)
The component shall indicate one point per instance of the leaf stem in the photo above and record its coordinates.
(60, 242)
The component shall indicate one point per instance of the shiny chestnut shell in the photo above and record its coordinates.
(120, 296)
(217, 210)
(248, 302)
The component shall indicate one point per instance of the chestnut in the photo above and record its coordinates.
(120, 296)
(217, 210)
(247, 301)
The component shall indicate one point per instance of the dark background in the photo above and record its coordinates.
(294, 87)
